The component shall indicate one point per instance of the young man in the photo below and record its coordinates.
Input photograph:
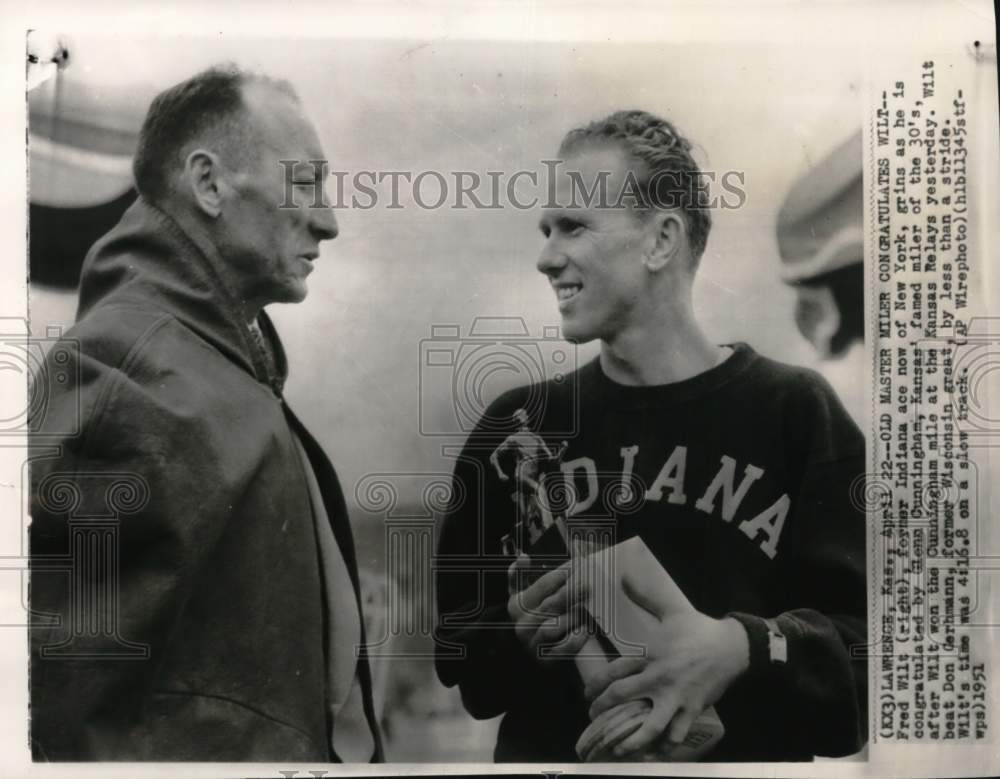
(735, 470)
(224, 621)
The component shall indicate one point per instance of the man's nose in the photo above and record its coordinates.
(323, 223)
(550, 259)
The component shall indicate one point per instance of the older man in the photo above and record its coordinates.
(735, 471)
(216, 616)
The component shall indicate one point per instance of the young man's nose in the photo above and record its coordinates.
(550, 259)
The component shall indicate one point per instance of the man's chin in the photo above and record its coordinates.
(576, 335)
(293, 293)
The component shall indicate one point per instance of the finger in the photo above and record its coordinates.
(612, 727)
(525, 578)
(681, 726)
(547, 636)
(541, 627)
(569, 646)
(525, 629)
(558, 602)
(580, 582)
(546, 585)
(616, 669)
(651, 729)
(565, 601)
(515, 608)
(520, 563)
(524, 620)
(637, 686)
(565, 649)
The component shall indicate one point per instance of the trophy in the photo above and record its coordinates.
(616, 623)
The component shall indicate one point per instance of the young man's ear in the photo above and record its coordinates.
(668, 240)
(202, 180)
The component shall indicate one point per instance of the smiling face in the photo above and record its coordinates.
(270, 248)
(593, 255)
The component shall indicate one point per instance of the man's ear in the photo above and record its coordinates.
(669, 236)
(202, 179)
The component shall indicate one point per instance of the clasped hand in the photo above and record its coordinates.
(548, 615)
(689, 659)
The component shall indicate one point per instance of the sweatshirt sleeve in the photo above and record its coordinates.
(476, 647)
(816, 696)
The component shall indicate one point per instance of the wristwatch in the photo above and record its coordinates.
(777, 644)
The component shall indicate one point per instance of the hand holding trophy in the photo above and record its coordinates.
(637, 642)
(675, 661)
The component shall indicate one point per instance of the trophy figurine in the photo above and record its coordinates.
(533, 461)
(616, 623)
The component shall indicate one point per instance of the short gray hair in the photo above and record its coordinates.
(209, 104)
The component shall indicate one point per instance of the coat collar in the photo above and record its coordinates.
(162, 258)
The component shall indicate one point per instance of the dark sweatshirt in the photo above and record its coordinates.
(740, 482)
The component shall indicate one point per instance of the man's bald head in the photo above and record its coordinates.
(209, 110)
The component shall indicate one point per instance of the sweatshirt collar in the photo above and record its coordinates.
(610, 391)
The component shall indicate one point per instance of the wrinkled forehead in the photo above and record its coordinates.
(281, 125)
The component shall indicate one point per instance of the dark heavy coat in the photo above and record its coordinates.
(177, 598)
